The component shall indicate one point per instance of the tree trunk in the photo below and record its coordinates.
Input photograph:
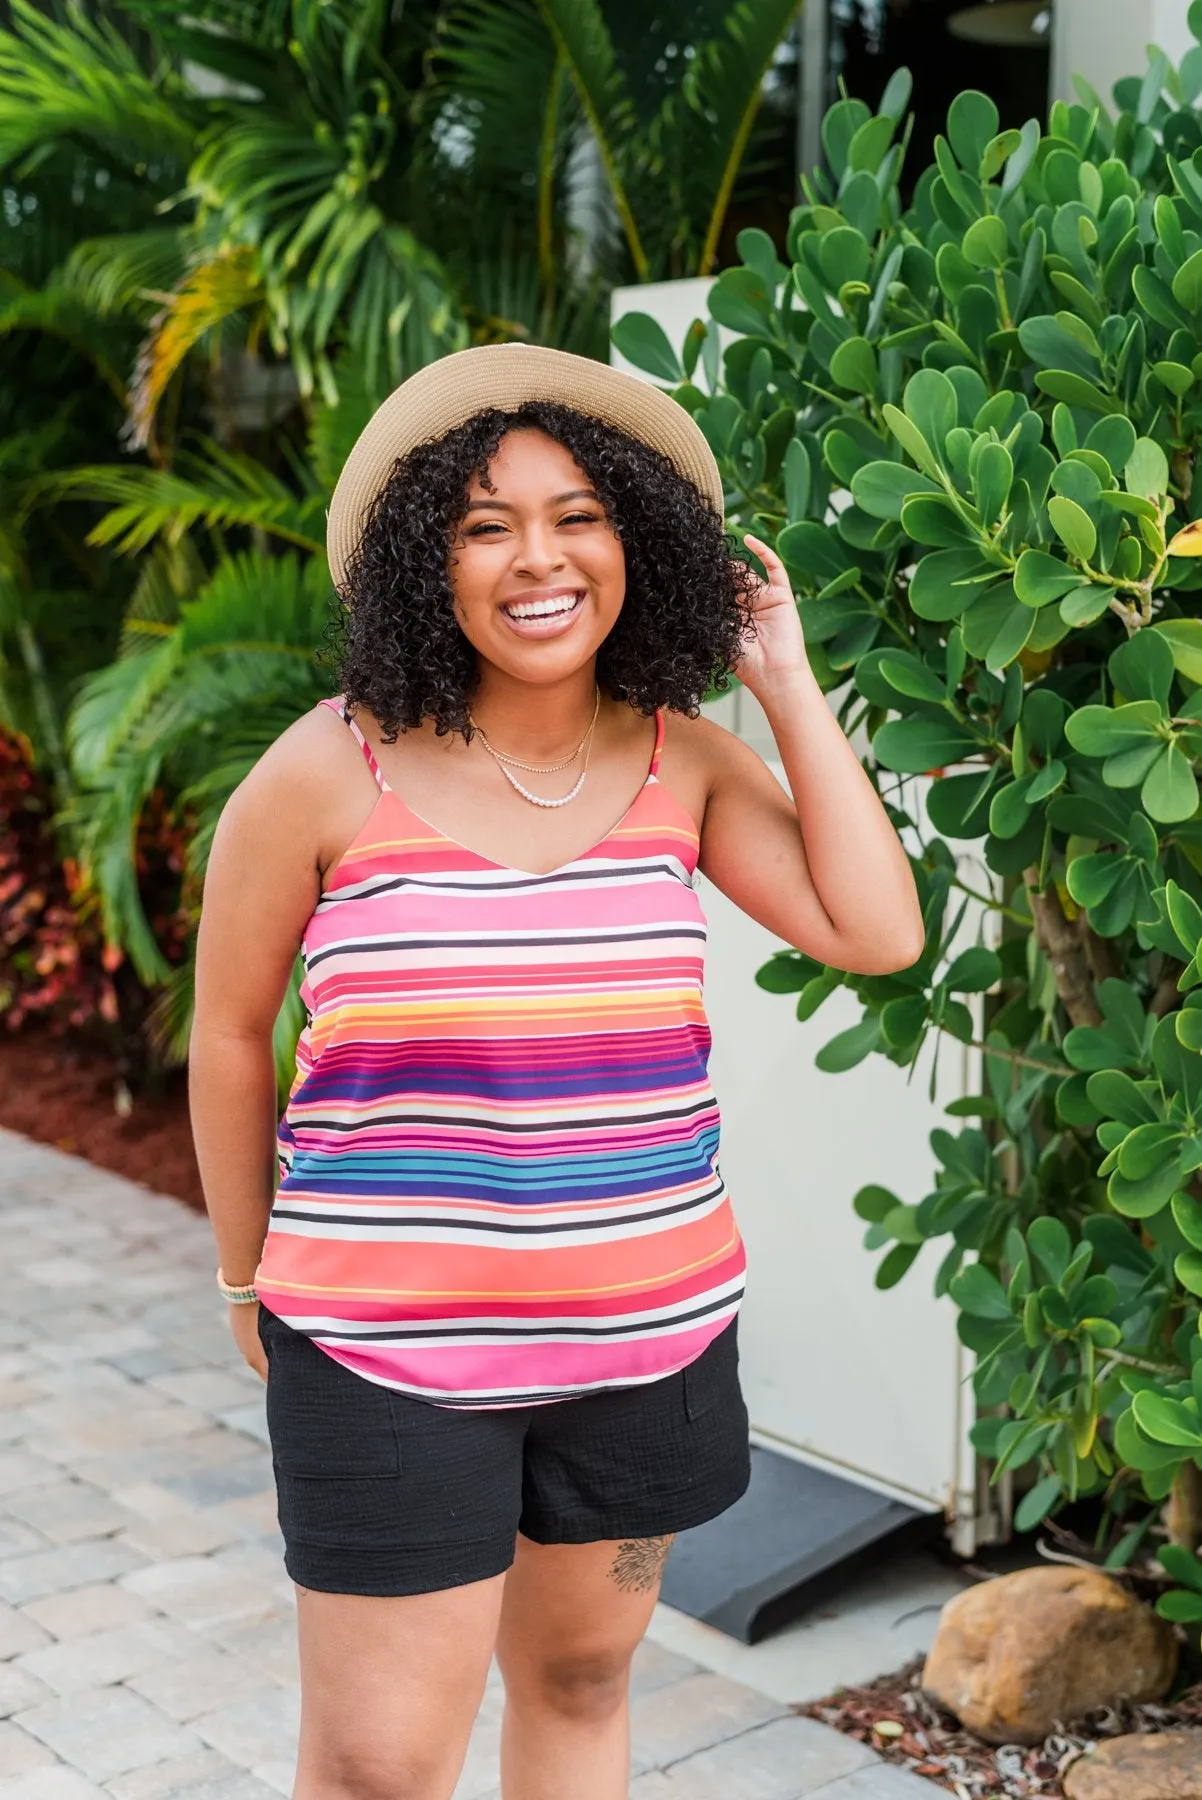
(1183, 1511)
(1065, 949)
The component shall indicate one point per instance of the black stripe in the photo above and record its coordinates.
(509, 883)
(314, 1122)
(441, 1220)
(653, 1328)
(363, 946)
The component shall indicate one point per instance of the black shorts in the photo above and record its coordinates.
(383, 1494)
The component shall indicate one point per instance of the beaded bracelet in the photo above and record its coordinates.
(237, 1296)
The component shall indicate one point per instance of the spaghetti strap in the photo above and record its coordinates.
(337, 704)
(653, 772)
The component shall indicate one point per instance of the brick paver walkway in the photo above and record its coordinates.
(146, 1631)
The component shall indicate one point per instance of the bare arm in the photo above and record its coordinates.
(262, 884)
(825, 870)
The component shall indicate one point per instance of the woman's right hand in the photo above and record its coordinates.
(244, 1323)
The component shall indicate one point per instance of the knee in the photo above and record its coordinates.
(586, 1687)
(361, 1772)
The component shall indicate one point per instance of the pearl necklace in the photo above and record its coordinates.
(502, 760)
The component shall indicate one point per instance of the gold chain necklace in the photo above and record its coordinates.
(503, 760)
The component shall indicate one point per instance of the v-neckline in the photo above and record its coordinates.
(511, 868)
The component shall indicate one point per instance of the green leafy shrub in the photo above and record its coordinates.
(970, 427)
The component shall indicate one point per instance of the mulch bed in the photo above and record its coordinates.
(68, 1091)
(895, 1717)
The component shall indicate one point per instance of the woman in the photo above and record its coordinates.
(495, 1297)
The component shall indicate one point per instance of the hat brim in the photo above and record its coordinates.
(447, 393)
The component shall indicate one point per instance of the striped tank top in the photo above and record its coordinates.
(499, 1182)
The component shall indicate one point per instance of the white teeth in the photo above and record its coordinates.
(543, 609)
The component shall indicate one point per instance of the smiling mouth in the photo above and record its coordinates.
(556, 606)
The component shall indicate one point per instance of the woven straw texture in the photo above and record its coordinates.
(448, 392)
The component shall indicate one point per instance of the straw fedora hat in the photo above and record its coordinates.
(446, 393)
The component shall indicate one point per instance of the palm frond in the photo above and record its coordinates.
(127, 271)
(207, 296)
(219, 490)
(81, 78)
(243, 650)
(712, 119)
(580, 32)
(168, 574)
(61, 314)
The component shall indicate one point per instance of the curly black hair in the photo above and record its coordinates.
(397, 647)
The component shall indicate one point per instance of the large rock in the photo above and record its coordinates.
(1167, 1766)
(1017, 1656)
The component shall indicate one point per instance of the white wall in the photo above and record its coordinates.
(1105, 39)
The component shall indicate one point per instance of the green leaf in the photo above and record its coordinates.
(1085, 605)
(979, 1293)
(930, 401)
(1113, 439)
(985, 243)
(895, 1265)
(854, 366)
(1170, 790)
(1147, 470)
(1143, 1199)
(913, 746)
(947, 581)
(1187, 283)
(849, 1047)
(643, 341)
(1175, 377)
(973, 971)
(1184, 638)
(1181, 1565)
(1167, 1421)
(1142, 668)
(1187, 1212)
(997, 626)
(1181, 1607)
(1105, 730)
(972, 121)
(1038, 1502)
(874, 1203)
(913, 678)
(1039, 578)
(1188, 1269)
(881, 488)
(1075, 390)
(911, 440)
(1074, 528)
(992, 479)
(1051, 1245)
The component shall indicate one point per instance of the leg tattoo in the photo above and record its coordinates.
(640, 1563)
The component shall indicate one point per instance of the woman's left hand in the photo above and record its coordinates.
(778, 647)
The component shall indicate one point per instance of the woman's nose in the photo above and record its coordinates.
(536, 552)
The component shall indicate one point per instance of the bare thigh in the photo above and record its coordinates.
(573, 1614)
(389, 1689)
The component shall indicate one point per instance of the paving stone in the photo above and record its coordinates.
(187, 1534)
(197, 1590)
(59, 1272)
(253, 1732)
(19, 1689)
(22, 1469)
(279, 1776)
(232, 1787)
(142, 1365)
(19, 1633)
(881, 1783)
(209, 1487)
(96, 1608)
(177, 1775)
(16, 1392)
(690, 1715)
(56, 1783)
(19, 1752)
(655, 1667)
(268, 1644)
(104, 1657)
(211, 1389)
(67, 1512)
(16, 1539)
(782, 1760)
(41, 1572)
(201, 1681)
(250, 1419)
(106, 1731)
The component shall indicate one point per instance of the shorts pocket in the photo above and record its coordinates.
(713, 1376)
(324, 1420)
(364, 1513)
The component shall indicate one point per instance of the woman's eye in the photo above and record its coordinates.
(479, 530)
(579, 519)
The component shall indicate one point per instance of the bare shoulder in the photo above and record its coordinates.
(292, 799)
(703, 749)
